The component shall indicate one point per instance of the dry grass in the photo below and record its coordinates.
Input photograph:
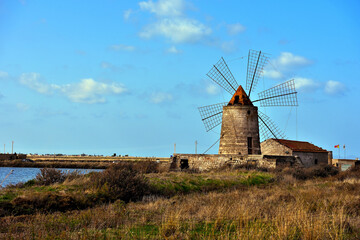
(321, 208)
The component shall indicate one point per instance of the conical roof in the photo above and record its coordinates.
(240, 98)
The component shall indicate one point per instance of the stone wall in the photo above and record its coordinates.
(203, 162)
(271, 147)
(310, 159)
(238, 124)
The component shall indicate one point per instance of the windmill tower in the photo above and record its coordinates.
(241, 122)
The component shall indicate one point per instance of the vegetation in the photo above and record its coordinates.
(138, 202)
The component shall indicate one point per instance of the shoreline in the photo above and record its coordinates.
(76, 162)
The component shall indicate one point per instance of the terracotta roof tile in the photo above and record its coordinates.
(298, 146)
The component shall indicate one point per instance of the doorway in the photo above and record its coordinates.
(184, 164)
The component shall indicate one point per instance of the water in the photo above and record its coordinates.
(21, 174)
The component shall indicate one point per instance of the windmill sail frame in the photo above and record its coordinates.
(221, 74)
(283, 94)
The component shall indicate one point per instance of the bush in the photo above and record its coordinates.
(320, 171)
(146, 167)
(121, 181)
(49, 176)
(353, 172)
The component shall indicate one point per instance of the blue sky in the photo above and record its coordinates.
(126, 77)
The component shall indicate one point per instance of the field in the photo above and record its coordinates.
(141, 201)
(83, 162)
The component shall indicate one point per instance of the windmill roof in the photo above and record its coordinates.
(240, 97)
(298, 146)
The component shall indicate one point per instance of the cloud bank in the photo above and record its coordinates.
(86, 91)
(172, 23)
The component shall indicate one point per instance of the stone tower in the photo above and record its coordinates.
(240, 126)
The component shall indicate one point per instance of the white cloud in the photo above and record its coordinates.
(122, 47)
(212, 89)
(172, 23)
(160, 97)
(334, 88)
(127, 14)
(167, 8)
(3, 75)
(32, 80)
(284, 65)
(178, 30)
(236, 28)
(173, 50)
(85, 91)
(287, 59)
(273, 74)
(90, 91)
(306, 84)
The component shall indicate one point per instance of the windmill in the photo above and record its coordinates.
(241, 122)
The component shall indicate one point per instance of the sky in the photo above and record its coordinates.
(127, 77)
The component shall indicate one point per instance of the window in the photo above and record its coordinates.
(236, 100)
(250, 147)
(316, 161)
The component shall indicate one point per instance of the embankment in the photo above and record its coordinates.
(82, 162)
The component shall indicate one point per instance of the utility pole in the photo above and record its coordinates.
(174, 148)
(12, 147)
(4, 148)
(195, 147)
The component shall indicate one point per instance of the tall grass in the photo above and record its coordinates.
(219, 205)
(306, 211)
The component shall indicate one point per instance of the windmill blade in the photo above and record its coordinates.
(268, 129)
(221, 74)
(281, 95)
(211, 115)
(256, 62)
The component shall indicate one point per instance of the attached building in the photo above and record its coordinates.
(308, 154)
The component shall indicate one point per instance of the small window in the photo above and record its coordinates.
(236, 100)
(250, 147)
(316, 161)
(184, 164)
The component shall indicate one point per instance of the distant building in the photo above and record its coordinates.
(345, 164)
(308, 154)
(12, 156)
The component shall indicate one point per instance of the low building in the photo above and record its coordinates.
(12, 156)
(308, 154)
(345, 164)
